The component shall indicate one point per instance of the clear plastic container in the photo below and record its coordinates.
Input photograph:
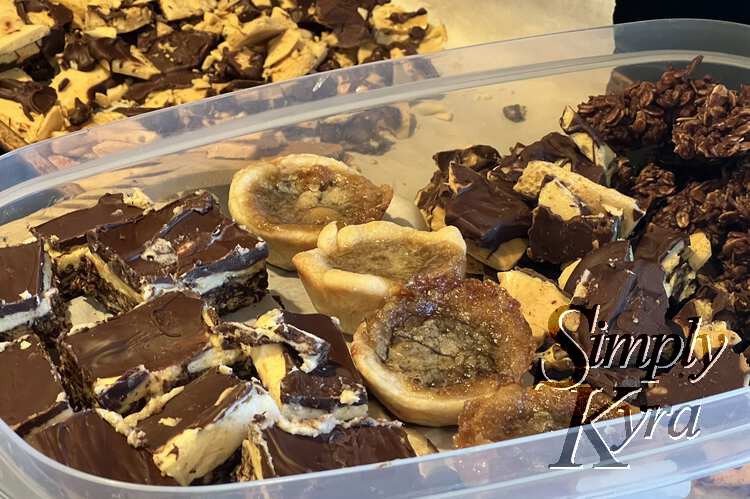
(456, 98)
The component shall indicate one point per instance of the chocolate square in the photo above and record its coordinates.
(32, 394)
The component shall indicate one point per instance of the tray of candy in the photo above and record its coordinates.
(457, 96)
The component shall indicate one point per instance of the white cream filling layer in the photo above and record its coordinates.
(203, 285)
(197, 451)
(43, 308)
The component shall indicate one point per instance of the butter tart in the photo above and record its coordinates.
(354, 269)
(440, 343)
(288, 201)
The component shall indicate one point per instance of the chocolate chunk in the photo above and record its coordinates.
(284, 454)
(630, 296)
(34, 97)
(343, 18)
(69, 230)
(80, 114)
(181, 50)
(554, 240)
(22, 273)
(87, 443)
(174, 80)
(609, 254)
(120, 361)
(402, 17)
(677, 385)
(487, 214)
(78, 55)
(322, 388)
(480, 158)
(60, 14)
(32, 395)
(553, 148)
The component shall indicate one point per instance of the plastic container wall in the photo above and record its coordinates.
(455, 99)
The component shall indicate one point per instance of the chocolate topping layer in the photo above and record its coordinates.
(166, 331)
(631, 296)
(181, 50)
(88, 443)
(342, 447)
(485, 213)
(675, 387)
(554, 240)
(322, 387)
(553, 147)
(31, 385)
(66, 231)
(610, 254)
(33, 96)
(202, 402)
(186, 239)
(21, 271)
(344, 19)
(657, 242)
(174, 80)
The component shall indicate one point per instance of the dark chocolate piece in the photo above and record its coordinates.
(167, 332)
(658, 243)
(515, 113)
(675, 386)
(22, 274)
(553, 147)
(484, 213)
(32, 393)
(343, 18)
(60, 14)
(631, 296)
(289, 454)
(322, 387)
(87, 443)
(183, 242)
(181, 50)
(138, 92)
(610, 254)
(554, 240)
(33, 96)
(69, 230)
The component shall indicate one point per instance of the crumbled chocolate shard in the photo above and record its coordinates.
(590, 144)
(563, 229)
(515, 113)
(553, 148)
(630, 296)
(486, 214)
(343, 18)
(34, 97)
(609, 254)
(181, 50)
(138, 92)
(555, 240)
